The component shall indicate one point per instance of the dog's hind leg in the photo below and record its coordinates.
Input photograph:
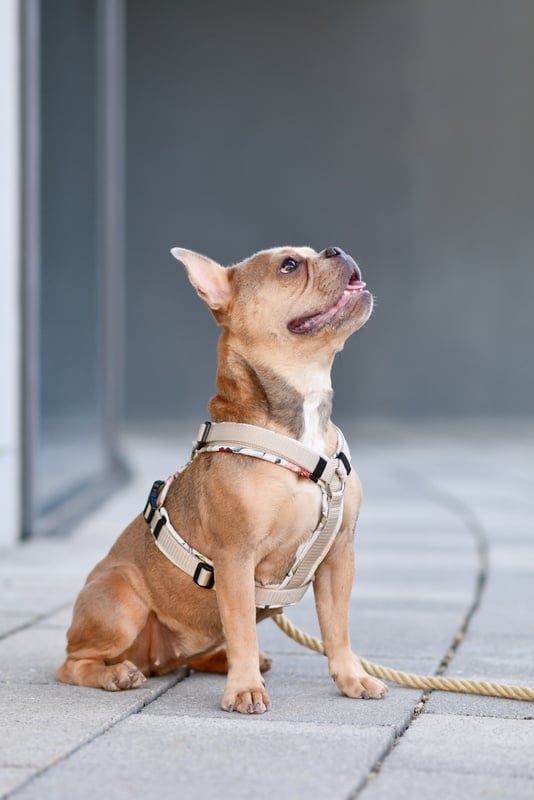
(212, 662)
(108, 617)
(218, 662)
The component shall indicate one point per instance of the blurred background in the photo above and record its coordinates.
(400, 130)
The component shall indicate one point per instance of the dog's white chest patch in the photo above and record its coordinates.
(314, 435)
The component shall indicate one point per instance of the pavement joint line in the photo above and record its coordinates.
(472, 525)
(38, 618)
(140, 706)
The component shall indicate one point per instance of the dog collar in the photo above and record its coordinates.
(330, 473)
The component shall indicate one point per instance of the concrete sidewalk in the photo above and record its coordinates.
(436, 498)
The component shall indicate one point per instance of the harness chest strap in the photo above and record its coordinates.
(329, 473)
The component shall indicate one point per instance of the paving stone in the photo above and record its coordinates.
(504, 658)
(229, 757)
(417, 587)
(506, 524)
(12, 777)
(467, 746)
(419, 563)
(415, 579)
(418, 784)
(40, 584)
(518, 559)
(416, 510)
(13, 620)
(300, 690)
(31, 656)
(429, 540)
(383, 632)
(58, 619)
(474, 490)
(479, 706)
(498, 658)
(44, 722)
(507, 605)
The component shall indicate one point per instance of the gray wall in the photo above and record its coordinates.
(401, 130)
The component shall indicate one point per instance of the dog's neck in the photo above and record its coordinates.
(259, 395)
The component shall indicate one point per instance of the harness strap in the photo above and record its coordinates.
(329, 473)
(238, 434)
(173, 546)
(200, 568)
(322, 540)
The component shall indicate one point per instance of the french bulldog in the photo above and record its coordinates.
(284, 314)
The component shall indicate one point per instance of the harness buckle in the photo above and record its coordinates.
(345, 461)
(202, 435)
(318, 470)
(204, 575)
(152, 502)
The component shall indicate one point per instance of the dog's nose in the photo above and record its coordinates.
(330, 252)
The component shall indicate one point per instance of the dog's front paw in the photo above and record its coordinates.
(356, 682)
(365, 688)
(252, 700)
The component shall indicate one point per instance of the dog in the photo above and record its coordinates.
(243, 510)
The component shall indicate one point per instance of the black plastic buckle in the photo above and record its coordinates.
(204, 576)
(205, 433)
(158, 526)
(318, 471)
(345, 461)
(152, 502)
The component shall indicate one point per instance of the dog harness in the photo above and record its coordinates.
(330, 474)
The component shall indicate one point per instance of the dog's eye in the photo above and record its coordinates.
(289, 265)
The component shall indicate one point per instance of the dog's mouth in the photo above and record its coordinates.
(343, 306)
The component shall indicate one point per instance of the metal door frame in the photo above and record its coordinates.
(111, 180)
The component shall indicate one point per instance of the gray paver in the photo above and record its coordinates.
(12, 777)
(230, 757)
(480, 706)
(386, 631)
(502, 658)
(507, 606)
(300, 689)
(32, 655)
(44, 722)
(416, 572)
(429, 539)
(11, 621)
(417, 784)
(466, 745)
(36, 580)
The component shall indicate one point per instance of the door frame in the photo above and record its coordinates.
(110, 247)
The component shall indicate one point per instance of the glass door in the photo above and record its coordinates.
(72, 302)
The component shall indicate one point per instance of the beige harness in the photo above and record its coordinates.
(330, 475)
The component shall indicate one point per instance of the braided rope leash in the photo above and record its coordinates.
(408, 679)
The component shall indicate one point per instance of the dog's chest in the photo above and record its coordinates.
(292, 520)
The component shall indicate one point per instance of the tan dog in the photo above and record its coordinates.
(285, 313)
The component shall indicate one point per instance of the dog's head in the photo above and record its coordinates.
(286, 296)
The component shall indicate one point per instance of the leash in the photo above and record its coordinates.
(408, 679)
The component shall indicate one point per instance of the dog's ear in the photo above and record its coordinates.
(209, 278)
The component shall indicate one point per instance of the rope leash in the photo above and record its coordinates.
(408, 679)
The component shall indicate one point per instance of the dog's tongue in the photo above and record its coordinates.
(356, 286)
